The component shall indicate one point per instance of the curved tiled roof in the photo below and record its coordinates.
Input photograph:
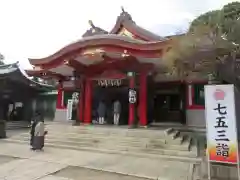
(101, 41)
(96, 37)
(15, 72)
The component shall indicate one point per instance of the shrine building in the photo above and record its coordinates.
(124, 64)
(21, 95)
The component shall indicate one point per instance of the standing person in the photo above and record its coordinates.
(101, 112)
(35, 119)
(116, 112)
(39, 135)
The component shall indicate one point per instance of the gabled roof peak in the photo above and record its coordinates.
(94, 30)
(124, 25)
(124, 16)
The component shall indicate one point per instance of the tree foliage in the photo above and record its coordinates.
(211, 19)
(222, 19)
(211, 37)
(231, 10)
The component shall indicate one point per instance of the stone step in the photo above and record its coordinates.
(126, 141)
(109, 131)
(184, 146)
(77, 137)
(121, 142)
(17, 125)
(117, 140)
(170, 152)
(134, 135)
(142, 152)
(111, 144)
(89, 142)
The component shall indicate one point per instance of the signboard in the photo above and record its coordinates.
(69, 109)
(132, 95)
(222, 144)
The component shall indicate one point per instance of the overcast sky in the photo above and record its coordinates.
(38, 28)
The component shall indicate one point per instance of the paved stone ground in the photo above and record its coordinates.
(27, 169)
(39, 165)
(6, 159)
(78, 173)
(14, 132)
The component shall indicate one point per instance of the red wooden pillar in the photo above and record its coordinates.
(143, 99)
(88, 102)
(81, 100)
(60, 97)
(131, 115)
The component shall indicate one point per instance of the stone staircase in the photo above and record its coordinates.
(141, 142)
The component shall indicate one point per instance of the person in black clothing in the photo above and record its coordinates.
(36, 118)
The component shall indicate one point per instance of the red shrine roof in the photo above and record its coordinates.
(99, 41)
(125, 24)
(126, 46)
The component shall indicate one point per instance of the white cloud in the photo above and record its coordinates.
(37, 28)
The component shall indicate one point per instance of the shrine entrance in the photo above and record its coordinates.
(107, 91)
(169, 103)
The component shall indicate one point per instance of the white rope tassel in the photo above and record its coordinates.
(111, 82)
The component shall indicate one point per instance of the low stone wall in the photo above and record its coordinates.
(60, 115)
(196, 118)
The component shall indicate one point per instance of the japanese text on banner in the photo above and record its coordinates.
(221, 123)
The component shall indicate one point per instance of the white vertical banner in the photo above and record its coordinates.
(69, 109)
(132, 95)
(222, 142)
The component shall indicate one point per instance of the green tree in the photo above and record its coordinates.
(211, 37)
(223, 18)
(211, 19)
(231, 10)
